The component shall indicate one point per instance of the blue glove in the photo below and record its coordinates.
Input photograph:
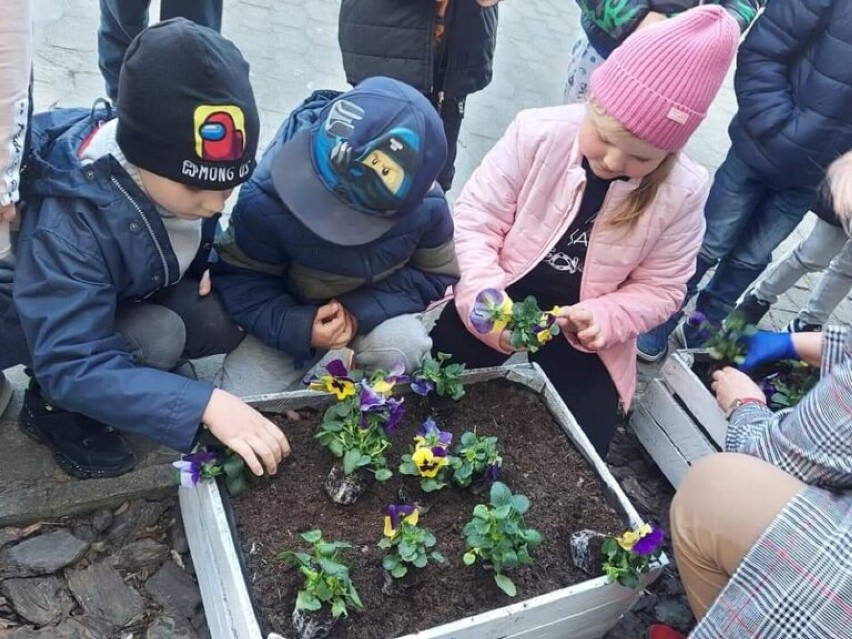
(766, 346)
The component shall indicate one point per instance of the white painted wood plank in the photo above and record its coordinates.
(664, 453)
(679, 426)
(685, 384)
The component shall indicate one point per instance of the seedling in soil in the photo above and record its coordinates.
(408, 543)
(498, 536)
(529, 327)
(476, 460)
(631, 554)
(439, 376)
(327, 586)
(207, 464)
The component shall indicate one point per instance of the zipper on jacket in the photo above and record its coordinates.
(167, 278)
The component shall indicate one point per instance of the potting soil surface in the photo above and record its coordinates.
(538, 461)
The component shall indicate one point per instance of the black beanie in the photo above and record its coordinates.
(186, 110)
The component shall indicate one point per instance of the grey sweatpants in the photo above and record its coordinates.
(254, 368)
(826, 248)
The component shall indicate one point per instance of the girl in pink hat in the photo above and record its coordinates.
(592, 208)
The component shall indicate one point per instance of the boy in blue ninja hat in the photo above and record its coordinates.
(341, 238)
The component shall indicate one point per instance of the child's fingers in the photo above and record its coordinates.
(205, 285)
(326, 312)
(241, 448)
(263, 450)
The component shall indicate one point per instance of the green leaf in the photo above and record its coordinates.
(505, 584)
(390, 562)
(234, 466)
(336, 447)
(383, 474)
(384, 543)
(521, 503)
(312, 536)
(236, 484)
(510, 559)
(350, 460)
(306, 601)
(532, 537)
(469, 558)
(430, 485)
(500, 494)
(364, 460)
(468, 438)
(438, 557)
(408, 468)
(420, 561)
(338, 608)
(399, 571)
(481, 511)
(502, 512)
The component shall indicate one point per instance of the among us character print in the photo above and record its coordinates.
(220, 134)
(375, 176)
(560, 258)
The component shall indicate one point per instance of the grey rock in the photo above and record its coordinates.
(177, 537)
(85, 532)
(674, 612)
(5, 607)
(173, 589)
(9, 535)
(131, 523)
(72, 628)
(165, 627)
(103, 594)
(42, 555)
(42, 600)
(138, 555)
(101, 519)
(630, 626)
(641, 498)
(199, 623)
(670, 585)
(585, 547)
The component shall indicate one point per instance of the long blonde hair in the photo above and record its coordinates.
(641, 197)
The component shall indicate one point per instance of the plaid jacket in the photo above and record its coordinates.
(796, 581)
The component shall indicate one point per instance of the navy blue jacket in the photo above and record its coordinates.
(794, 90)
(91, 239)
(274, 273)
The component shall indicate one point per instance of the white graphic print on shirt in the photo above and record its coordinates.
(561, 261)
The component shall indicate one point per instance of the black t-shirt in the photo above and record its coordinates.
(556, 279)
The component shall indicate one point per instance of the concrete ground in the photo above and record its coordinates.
(292, 48)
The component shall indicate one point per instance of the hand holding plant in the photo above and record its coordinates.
(430, 459)
(631, 554)
(326, 576)
(498, 536)
(407, 542)
(475, 457)
(529, 327)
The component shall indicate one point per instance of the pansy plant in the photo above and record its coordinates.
(728, 342)
(430, 459)
(529, 327)
(207, 464)
(631, 554)
(357, 428)
(327, 581)
(498, 536)
(438, 375)
(475, 457)
(408, 544)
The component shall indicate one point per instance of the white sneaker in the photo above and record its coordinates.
(5, 392)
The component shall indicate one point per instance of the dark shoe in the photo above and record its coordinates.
(798, 326)
(751, 309)
(81, 446)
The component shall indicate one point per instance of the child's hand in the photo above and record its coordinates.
(8, 212)
(246, 432)
(331, 329)
(351, 322)
(205, 285)
(578, 320)
(729, 384)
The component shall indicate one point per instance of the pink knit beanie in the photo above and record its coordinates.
(660, 82)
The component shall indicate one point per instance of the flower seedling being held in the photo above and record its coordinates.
(498, 536)
(529, 327)
(209, 465)
(439, 376)
(408, 543)
(728, 342)
(476, 457)
(631, 554)
(327, 581)
(430, 459)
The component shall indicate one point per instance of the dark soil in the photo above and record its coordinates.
(539, 461)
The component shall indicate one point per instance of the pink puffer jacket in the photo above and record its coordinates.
(523, 197)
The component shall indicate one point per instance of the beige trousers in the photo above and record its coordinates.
(722, 506)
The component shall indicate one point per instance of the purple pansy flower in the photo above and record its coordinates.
(371, 401)
(492, 472)
(422, 386)
(336, 368)
(397, 412)
(397, 374)
(696, 318)
(650, 543)
(398, 512)
(192, 466)
(491, 311)
(430, 434)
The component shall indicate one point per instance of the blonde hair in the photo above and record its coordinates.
(641, 197)
(838, 185)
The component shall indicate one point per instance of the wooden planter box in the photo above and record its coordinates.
(677, 419)
(583, 611)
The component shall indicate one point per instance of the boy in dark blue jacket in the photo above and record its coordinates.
(341, 238)
(113, 222)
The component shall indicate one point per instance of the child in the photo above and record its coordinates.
(828, 245)
(592, 209)
(793, 120)
(341, 238)
(444, 49)
(113, 221)
(606, 24)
